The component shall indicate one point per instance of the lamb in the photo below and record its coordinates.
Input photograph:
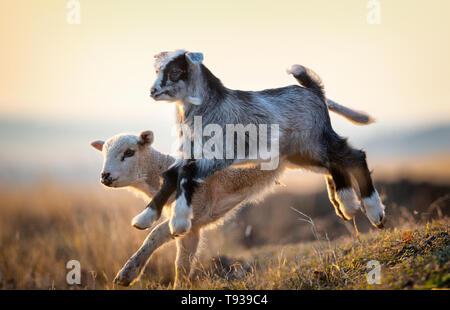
(306, 137)
(130, 161)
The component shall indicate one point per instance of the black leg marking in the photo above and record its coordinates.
(186, 183)
(362, 174)
(168, 187)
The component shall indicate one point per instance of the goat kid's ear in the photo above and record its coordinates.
(194, 58)
(146, 138)
(98, 145)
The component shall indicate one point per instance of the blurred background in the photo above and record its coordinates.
(64, 85)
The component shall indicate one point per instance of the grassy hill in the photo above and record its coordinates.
(414, 257)
(45, 226)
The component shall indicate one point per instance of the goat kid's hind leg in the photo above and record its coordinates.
(152, 212)
(371, 201)
(186, 254)
(345, 194)
(331, 187)
(134, 266)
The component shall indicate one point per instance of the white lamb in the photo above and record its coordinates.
(130, 161)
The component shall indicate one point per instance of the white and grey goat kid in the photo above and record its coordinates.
(130, 161)
(306, 137)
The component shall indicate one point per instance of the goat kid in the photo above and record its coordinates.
(306, 137)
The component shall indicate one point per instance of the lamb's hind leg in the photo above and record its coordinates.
(134, 266)
(186, 250)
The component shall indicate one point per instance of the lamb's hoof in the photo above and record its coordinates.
(126, 276)
(145, 219)
(121, 282)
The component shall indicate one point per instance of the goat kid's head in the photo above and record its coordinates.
(177, 74)
(124, 156)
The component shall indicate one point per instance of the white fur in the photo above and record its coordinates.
(162, 59)
(194, 100)
(145, 219)
(348, 202)
(374, 209)
(180, 222)
(218, 198)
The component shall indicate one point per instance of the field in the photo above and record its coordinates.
(44, 226)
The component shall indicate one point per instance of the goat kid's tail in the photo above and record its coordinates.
(309, 79)
(356, 117)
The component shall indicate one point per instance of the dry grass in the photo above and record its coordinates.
(42, 228)
(413, 257)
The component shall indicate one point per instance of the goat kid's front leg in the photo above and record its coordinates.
(191, 174)
(181, 215)
(135, 265)
(152, 212)
(186, 254)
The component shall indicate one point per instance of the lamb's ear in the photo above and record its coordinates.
(98, 145)
(194, 58)
(145, 138)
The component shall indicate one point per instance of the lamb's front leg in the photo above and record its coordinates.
(134, 266)
(186, 250)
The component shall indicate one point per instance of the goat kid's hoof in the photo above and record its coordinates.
(376, 217)
(179, 226)
(374, 210)
(145, 219)
(380, 224)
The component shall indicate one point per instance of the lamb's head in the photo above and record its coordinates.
(177, 73)
(124, 158)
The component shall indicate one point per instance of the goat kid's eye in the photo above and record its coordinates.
(175, 75)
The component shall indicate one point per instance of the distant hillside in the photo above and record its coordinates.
(411, 143)
(61, 151)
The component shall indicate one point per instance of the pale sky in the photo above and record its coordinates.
(101, 70)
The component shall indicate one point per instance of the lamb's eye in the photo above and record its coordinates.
(128, 153)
